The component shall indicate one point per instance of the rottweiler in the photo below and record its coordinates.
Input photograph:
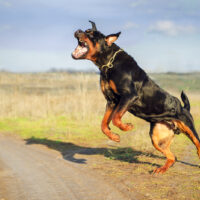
(127, 87)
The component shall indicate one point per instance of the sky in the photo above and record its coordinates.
(161, 35)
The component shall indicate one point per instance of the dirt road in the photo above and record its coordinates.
(30, 172)
(37, 169)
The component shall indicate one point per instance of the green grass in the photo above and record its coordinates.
(178, 82)
(64, 111)
(55, 128)
(69, 108)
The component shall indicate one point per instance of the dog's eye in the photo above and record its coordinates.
(89, 32)
(95, 34)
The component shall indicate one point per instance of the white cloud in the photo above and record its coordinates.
(168, 27)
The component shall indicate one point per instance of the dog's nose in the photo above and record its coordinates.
(78, 33)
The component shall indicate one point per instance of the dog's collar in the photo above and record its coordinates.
(109, 65)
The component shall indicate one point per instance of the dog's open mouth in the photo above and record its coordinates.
(81, 50)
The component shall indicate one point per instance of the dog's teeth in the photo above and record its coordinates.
(85, 43)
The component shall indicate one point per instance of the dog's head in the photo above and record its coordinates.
(92, 43)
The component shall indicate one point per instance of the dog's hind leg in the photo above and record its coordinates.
(185, 123)
(190, 131)
(162, 137)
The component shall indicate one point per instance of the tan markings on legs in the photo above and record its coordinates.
(113, 86)
(117, 121)
(102, 86)
(105, 125)
(162, 138)
(185, 129)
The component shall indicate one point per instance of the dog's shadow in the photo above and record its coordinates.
(69, 150)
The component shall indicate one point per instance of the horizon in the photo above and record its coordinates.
(89, 71)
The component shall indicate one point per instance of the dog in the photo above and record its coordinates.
(127, 87)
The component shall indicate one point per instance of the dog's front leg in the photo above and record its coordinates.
(106, 121)
(122, 107)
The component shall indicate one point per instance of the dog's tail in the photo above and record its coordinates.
(185, 101)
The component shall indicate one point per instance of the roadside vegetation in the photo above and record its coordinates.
(55, 109)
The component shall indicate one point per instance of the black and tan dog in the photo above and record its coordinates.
(127, 87)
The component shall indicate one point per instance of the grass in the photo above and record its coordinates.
(188, 82)
(64, 106)
(60, 128)
(64, 111)
(69, 107)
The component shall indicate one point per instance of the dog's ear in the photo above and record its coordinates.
(94, 28)
(112, 38)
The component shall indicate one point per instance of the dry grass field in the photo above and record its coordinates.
(43, 95)
(58, 108)
(65, 106)
(74, 98)
(35, 102)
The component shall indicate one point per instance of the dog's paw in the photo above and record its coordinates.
(160, 170)
(114, 137)
(126, 127)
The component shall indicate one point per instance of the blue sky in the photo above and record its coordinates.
(162, 35)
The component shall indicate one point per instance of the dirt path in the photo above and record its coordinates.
(41, 169)
(30, 172)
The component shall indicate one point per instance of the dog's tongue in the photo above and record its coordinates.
(79, 51)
